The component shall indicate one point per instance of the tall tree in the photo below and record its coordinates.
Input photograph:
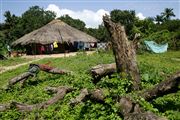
(10, 22)
(159, 19)
(35, 18)
(168, 13)
(77, 23)
(125, 17)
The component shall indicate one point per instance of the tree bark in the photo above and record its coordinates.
(124, 52)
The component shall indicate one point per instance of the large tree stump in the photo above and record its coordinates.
(124, 51)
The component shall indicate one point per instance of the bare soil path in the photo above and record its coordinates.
(39, 57)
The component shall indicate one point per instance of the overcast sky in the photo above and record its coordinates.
(91, 11)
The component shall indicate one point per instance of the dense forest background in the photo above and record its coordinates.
(160, 28)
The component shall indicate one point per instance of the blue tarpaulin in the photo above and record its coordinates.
(156, 48)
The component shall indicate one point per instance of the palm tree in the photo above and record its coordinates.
(159, 19)
(168, 12)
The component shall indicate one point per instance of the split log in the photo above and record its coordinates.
(61, 92)
(102, 70)
(124, 52)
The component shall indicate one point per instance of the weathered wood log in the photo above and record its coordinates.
(61, 92)
(96, 95)
(124, 52)
(80, 98)
(19, 78)
(131, 111)
(102, 70)
(50, 69)
(33, 71)
(4, 107)
(52, 89)
(170, 85)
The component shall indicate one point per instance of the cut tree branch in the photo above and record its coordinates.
(96, 95)
(170, 85)
(50, 69)
(61, 92)
(34, 70)
(102, 70)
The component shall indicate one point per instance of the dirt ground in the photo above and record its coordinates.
(39, 57)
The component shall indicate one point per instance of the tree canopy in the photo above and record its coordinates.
(80, 25)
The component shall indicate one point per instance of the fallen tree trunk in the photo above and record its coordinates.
(50, 69)
(33, 71)
(124, 52)
(129, 108)
(19, 78)
(102, 70)
(170, 85)
(61, 92)
(4, 107)
(96, 95)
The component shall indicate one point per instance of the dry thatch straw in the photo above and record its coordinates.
(56, 30)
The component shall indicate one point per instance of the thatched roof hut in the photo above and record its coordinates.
(56, 30)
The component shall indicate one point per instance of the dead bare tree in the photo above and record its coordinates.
(124, 52)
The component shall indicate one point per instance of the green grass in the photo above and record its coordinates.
(153, 68)
(13, 61)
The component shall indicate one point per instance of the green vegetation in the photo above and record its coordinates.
(153, 67)
(13, 61)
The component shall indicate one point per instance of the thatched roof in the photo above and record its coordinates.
(56, 30)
